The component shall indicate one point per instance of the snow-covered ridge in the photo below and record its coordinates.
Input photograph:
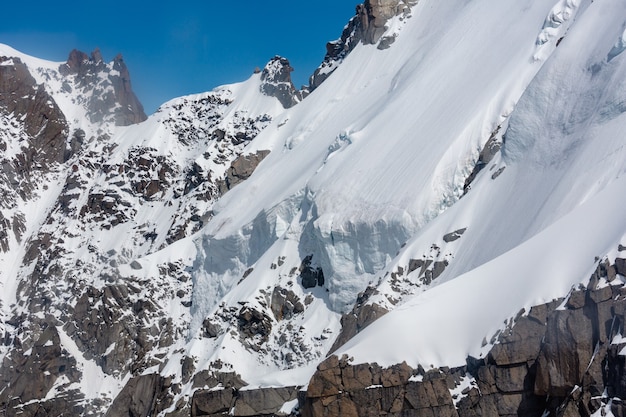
(369, 198)
(226, 243)
(81, 238)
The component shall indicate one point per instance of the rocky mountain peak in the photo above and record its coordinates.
(367, 26)
(96, 55)
(276, 82)
(74, 62)
(110, 84)
(277, 70)
(438, 231)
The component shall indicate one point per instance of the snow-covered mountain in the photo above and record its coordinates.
(433, 227)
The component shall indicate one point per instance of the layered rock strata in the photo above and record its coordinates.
(563, 358)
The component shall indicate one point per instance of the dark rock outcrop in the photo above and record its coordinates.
(341, 389)
(254, 323)
(276, 82)
(39, 134)
(111, 83)
(453, 236)
(106, 332)
(44, 123)
(311, 276)
(142, 396)
(361, 316)
(31, 374)
(241, 169)
(491, 148)
(563, 358)
(367, 26)
(230, 401)
(285, 304)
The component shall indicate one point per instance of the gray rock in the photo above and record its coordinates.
(142, 396)
(266, 401)
(361, 316)
(310, 276)
(285, 304)
(252, 322)
(241, 169)
(620, 266)
(491, 148)
(367, 26)
(276, 82)
(522, 343)
(90, 73)
(206, 403)
(498, 173)
(452, 236)
(29, 376)
(565, 354)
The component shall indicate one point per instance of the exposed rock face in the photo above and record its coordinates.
(341, 389)
(454, 236)
(276, 82)
(361, 316)
(229, 401)
(141, 397)
(241, 169)
(374, 14)
(43, 121)
(253, 323)
(491, 148)
(311, 275)
(285, 304)
(72, 294)
(550, 361)
(31, 373)
(367, 26)
(111, 83)
(32, 143)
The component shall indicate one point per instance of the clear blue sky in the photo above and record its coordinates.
(180, 47)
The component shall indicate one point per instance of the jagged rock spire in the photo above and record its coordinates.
(276, 82)
(121, 102)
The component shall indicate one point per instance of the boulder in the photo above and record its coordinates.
(266, 401)
(241, 169)
(206, 403)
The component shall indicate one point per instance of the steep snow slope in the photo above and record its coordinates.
(149, 264)
(377, 153)
(558, 207)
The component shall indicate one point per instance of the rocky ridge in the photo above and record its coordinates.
(367, 26)
(70, 290)
(106, 87)
(563, 358)
(110, 284)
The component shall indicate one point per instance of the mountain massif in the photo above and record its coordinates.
(434, 226)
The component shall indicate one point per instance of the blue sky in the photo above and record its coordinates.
(182, 47)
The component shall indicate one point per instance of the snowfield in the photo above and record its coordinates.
(368, 172)
(365, 177)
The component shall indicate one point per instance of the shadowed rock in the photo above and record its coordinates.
(111, 82)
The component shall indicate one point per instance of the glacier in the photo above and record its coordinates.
(358, 199)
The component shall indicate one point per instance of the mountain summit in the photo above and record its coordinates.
(107, 87)
(434, 227)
